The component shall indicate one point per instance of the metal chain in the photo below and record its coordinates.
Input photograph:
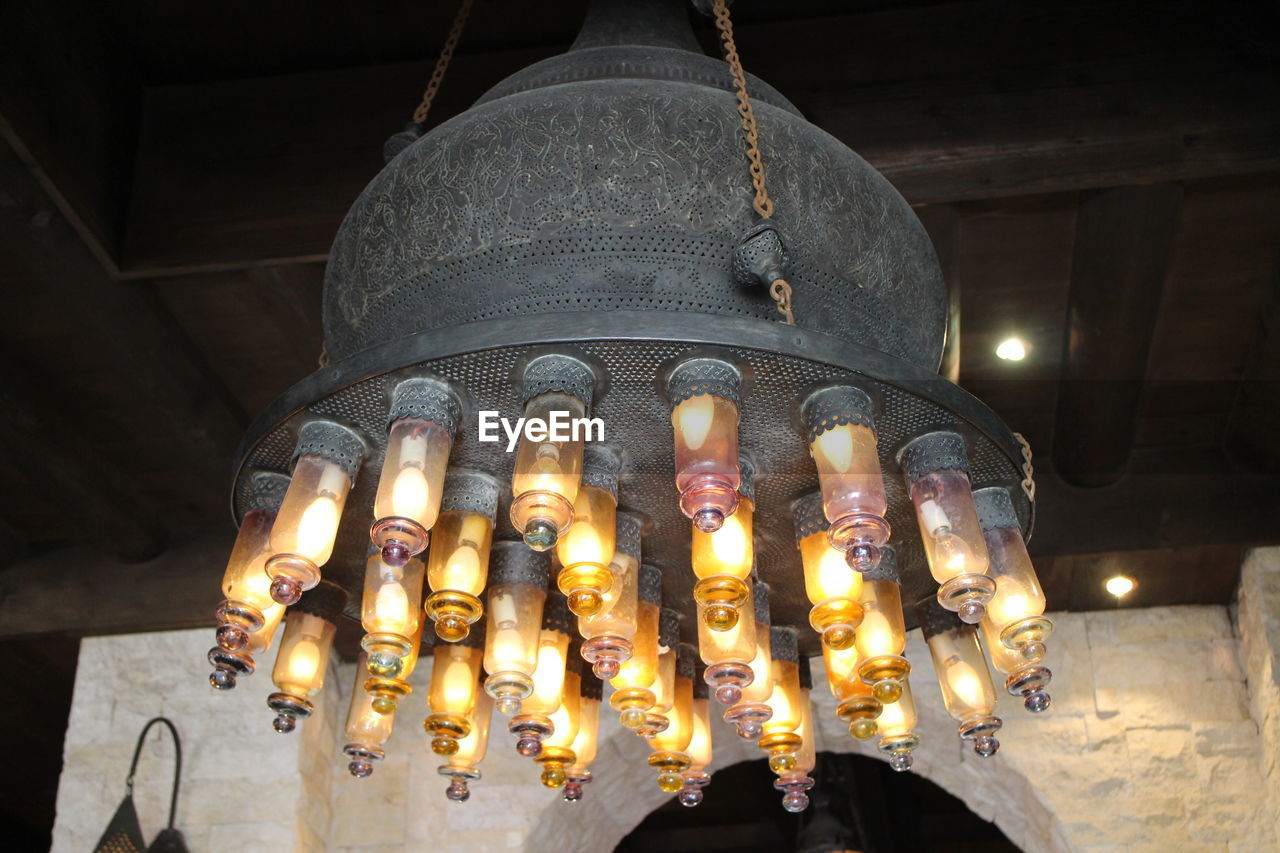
(763, 204)
(1028, 472)
(442, 63)
(779, 289)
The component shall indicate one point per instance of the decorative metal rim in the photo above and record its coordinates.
(544, 331)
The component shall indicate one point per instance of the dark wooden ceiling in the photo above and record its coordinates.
(1101, 179)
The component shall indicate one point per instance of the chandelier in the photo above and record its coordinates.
(597, 412)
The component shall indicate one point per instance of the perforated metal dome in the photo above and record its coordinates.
(613, 178)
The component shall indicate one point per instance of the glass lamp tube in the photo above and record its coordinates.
(936, 468)
(556, 753)
(388, 690)
(699, 750)
(458, 563)
(607, 634)
(247, 603)
(455, 675)
(723, 559)
(1023, 678)
(832, 586)
(301, 661)
(859, 707)
(326, 460)
(261, 639)
(728, 654)
(588, 739)
(557, 393)
(632, 696)
(535, 722)
(663, 686)
(462, 767)
(366, 729)
(670, 756)
(586, 549)
(897, 726)
(513, 621)
(750, 712)
(796, 782)
(704, 417)
(881, 637)
(424, 414)
(391, 612)
(841, 666)
(841, 434)
(967, 690)
(779, 740)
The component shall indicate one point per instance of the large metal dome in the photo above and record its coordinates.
(613, 178)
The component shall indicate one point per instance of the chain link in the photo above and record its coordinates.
(763, 204)
(1028, 472)
(442, 63)
(779, 289)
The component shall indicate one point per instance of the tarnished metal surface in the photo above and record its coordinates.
(625, 188)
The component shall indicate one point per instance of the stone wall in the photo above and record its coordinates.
(1258, 627)
(1155, 742)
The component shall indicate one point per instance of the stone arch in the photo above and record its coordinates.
(1006, 789)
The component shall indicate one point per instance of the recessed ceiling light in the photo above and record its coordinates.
(1011, 349)
(1120, 585)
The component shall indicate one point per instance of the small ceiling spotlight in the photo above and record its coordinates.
(1120, 585)
(1011, 349)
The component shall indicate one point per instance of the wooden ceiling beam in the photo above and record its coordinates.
(1124, 237)
(257, 172)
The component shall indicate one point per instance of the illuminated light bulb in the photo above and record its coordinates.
(632, 694)
(1015, 628)
(670, 755)
(936, 469)
(304, 653)
(694, 420)
(366, 730)
(1011, 349)
(832, 586)
(704, 417)
(452, 694)
(326, 460)
(882, 636)
(779, 740)
(586, 743)
(243, 615)
(424, 414)
(392, 604)
(411, 493)
(696, 777)
(967, 690)
(389, 613)
(749, 714)
(897, 723)
(607, 635)
(796, 782)
(535, 722)
(840, 429)
(462, 766)
(517, 590)
(548, 471)
(458, 562)
(1120, 585)
(586, 549)
(556, 753)
(723, 559)
(318, 524)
